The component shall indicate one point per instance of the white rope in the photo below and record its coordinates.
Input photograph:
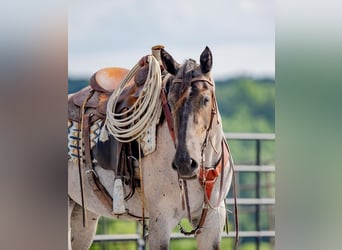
(133, 123)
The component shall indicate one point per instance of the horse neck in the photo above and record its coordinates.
(213, 149)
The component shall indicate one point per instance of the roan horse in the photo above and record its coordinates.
(185, 178)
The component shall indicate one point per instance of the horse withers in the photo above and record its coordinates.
(185, 178)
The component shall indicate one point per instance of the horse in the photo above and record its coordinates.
(187, 177)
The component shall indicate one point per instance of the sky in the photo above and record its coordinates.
(240, 34)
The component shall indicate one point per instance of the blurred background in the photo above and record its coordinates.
(240, 35)
(34, 82)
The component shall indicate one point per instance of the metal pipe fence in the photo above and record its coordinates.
(255, 203)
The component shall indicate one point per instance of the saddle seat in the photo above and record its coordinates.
(107, 79)
(102, 84)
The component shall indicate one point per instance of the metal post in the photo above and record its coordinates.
(257, 191)
(140, 243)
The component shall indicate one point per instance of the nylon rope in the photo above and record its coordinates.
(129, 125)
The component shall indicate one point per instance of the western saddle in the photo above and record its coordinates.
(88, 106)
(102, 84)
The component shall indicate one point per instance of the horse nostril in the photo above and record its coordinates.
(194, 164)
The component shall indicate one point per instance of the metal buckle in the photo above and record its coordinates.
(92, 171)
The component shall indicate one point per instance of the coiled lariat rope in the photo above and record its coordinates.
(129, 125)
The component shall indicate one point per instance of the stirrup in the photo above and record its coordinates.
(118, 197)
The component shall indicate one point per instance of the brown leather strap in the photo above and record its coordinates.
(86, 140)
(84, 120)
(226, 220)
(202, 219)
(194, 80)
(187, 200)
(168, 115)
(196, 230)
(93, 179)
(224, 151)
(236, 217)
(207, 177)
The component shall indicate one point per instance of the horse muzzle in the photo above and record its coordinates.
(186, 167)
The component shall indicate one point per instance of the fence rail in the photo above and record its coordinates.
(255, 202)
(177, 236)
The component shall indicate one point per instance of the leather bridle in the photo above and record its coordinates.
(207, 176)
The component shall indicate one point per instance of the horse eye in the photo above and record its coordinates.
(205, 100)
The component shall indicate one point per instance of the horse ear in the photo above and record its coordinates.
(206, 60)
(169, 63)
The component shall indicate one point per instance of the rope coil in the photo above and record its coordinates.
(131, 124)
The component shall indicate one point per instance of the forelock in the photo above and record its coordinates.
(185, 73)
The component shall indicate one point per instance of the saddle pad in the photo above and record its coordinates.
(148, 140)
(74, 136)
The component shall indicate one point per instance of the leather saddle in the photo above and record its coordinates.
(102, 84)
(112, 153)
(88, 106)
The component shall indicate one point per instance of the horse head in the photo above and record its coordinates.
(193, 105)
